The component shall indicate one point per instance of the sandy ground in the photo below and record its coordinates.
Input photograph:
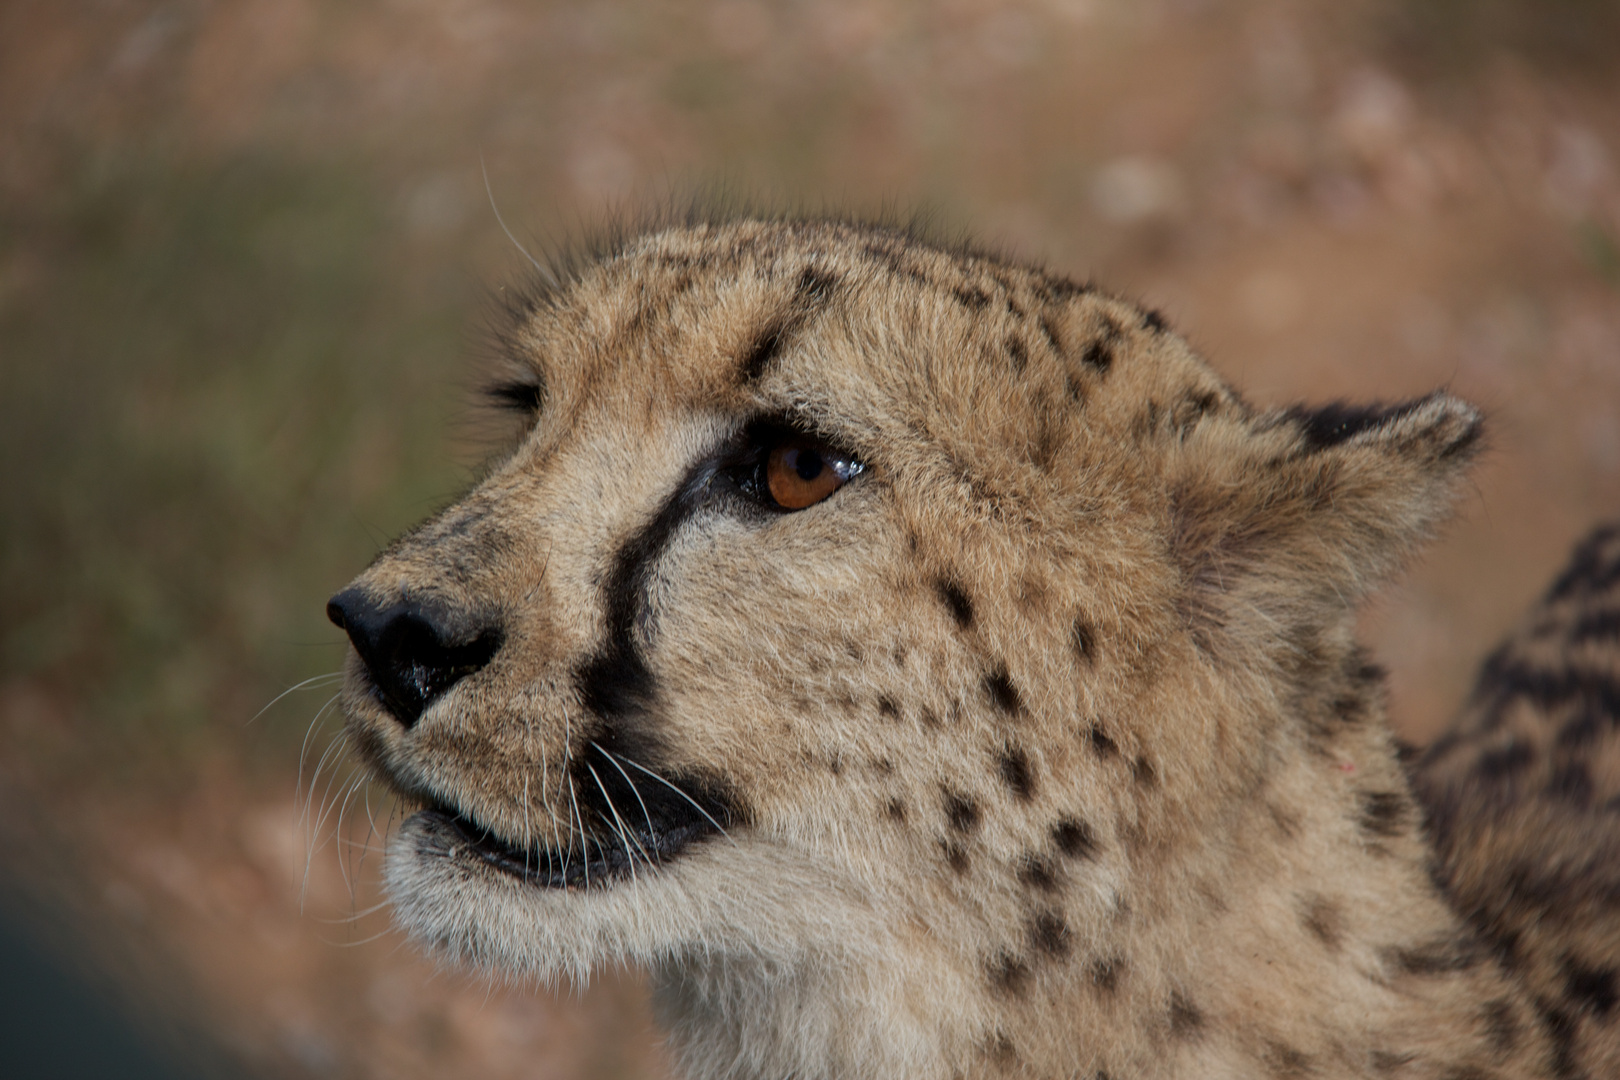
(1326, 209)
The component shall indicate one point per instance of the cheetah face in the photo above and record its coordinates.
(845, 597)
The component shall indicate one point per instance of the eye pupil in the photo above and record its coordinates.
(807, 464)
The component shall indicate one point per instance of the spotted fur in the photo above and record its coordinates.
(1524, 800)
(1040, 748)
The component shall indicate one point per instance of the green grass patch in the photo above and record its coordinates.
(223, 386)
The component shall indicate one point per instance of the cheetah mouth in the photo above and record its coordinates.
(595, 861)
(619, 829)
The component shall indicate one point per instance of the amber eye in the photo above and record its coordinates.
(800, 472)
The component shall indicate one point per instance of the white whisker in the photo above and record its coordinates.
(303, 751)
(573, 803)
(334, 753)
(652, 832)
(624, 834)
(356, 916)
(528, 844)
(545, 271)
(325, 680)
(682, 794)
(365, 940)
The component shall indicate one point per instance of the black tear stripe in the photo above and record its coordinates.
(618, 748)
(812, 292)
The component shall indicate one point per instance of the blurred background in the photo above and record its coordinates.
(247, 267)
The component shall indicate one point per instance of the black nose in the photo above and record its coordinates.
(414, 652)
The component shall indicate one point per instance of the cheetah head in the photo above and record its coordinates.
(874, 640)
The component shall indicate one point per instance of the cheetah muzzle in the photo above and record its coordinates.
(927, 666)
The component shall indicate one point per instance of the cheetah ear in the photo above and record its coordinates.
(1297, 514)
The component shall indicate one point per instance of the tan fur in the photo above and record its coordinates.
(1044, 742)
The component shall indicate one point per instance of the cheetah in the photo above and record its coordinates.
(926, 666)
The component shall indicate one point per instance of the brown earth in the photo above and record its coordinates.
(242, 256)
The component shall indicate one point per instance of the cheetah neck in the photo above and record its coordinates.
(1292, 936)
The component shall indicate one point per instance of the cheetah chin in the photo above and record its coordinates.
(925, 665)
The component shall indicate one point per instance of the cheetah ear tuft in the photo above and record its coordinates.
(1297, 514)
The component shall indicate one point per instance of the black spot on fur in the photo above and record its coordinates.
(1099, 354)
(1074, 838)
(812, 290)
(1037, 872)
(1572, 783)
(892, 256)
(1013, 764)
(961, 812)
(766, 344)
(1593, 569)
(1348, 711)
(1286, 1062)
(1583, 730)
(887, 708)
(1145, 773)
(815, 286)
(1154, 321)
(956, 600)
(1105, 973)
(1287, 821)
(1561, 1031)
(895, 810)
(971, 297)
(1506, 680)
(956, 856)
(1324, 920)
(1049, 934)
(1596, 626)
(1501, 1024)
(1505, 762)
(1084, 639)
(1101, 743)
(1383, 813)
(1364, 672)
(1186, 1021)
(1018, 354)
(1002, 1050)
(1590, 988)
(1056, 290)
(1009, 974)
(999, 685)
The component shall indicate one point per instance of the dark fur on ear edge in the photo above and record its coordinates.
(1306, 511)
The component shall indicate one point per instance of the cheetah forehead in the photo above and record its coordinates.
(862, 329)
